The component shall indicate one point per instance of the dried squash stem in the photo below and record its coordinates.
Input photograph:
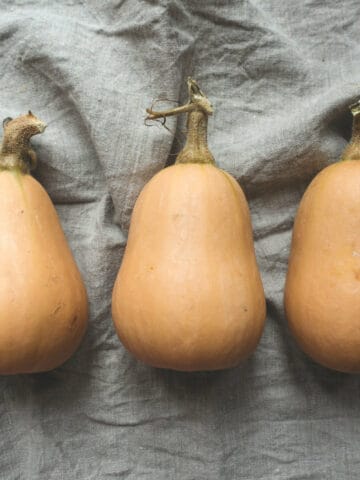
(198, 108)
(16, 151)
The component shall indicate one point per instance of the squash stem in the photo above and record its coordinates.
(16, 152)
(198, 109)
(352, 151)
(355, 110)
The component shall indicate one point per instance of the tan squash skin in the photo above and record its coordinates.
(322, 293)
(43, 302)
(188, 295)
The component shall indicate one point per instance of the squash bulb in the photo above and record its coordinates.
(188, 295)
(322, 293)
(43, 303)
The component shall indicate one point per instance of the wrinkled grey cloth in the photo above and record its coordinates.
(280, 76)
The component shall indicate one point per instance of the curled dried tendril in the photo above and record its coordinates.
(197, 101)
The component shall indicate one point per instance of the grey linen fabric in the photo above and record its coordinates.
(280, 75)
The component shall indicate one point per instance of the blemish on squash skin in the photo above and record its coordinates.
(73, 322)
(57, 309)
(357, 274)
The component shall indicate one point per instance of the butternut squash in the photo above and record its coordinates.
(322, 293)
(43, 303)
(188, 295)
